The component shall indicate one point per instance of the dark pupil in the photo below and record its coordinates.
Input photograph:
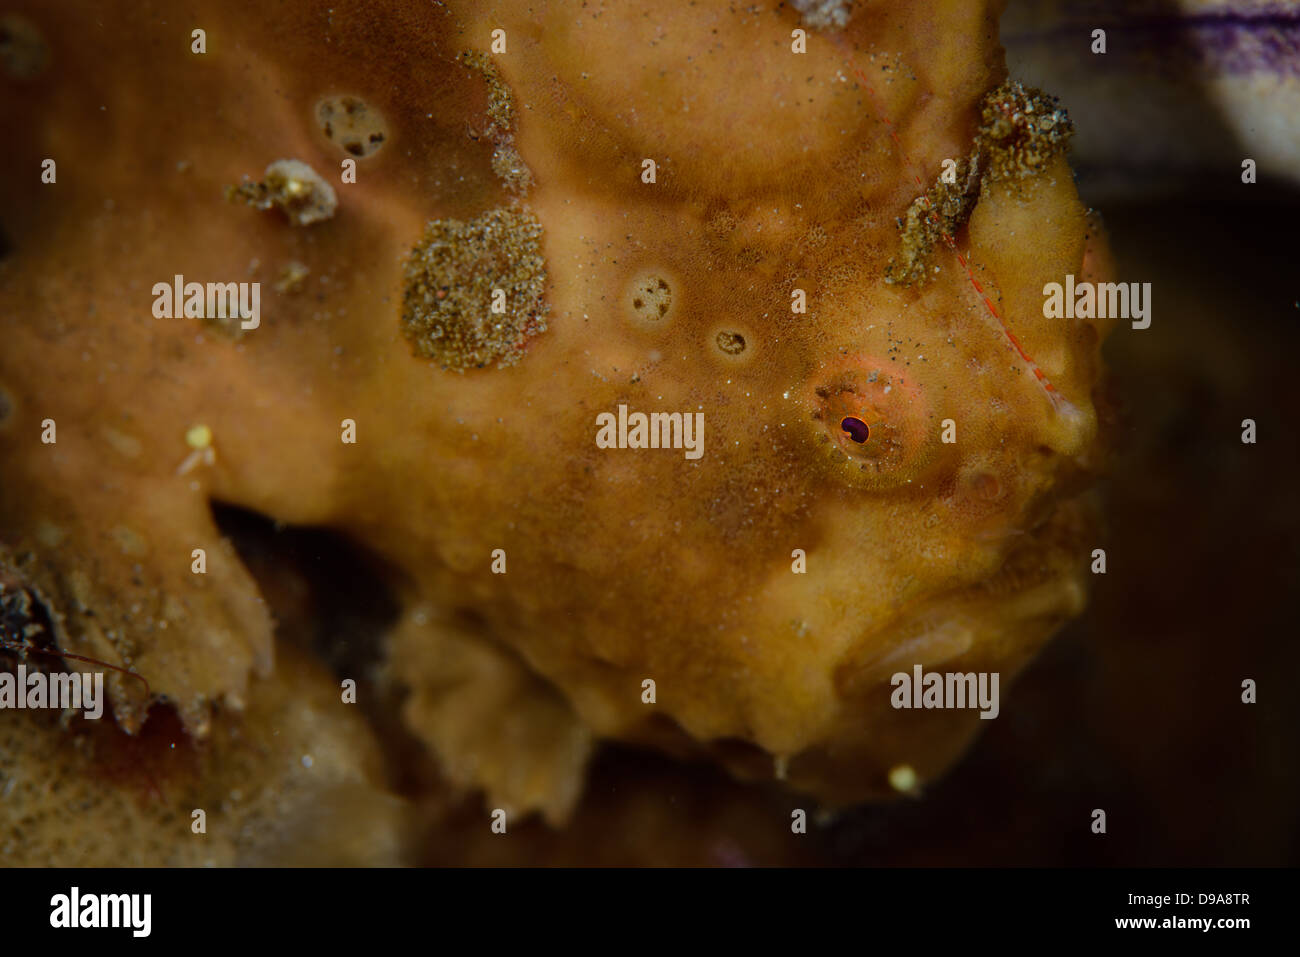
(856, 428)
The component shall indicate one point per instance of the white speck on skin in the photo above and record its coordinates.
(902, 778)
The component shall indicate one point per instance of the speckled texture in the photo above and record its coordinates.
(1021, 131)
(451, 283)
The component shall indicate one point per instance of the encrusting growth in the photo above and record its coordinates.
(506, 161)
(293, 186)
(1021, 130)
(449, 280)
(938, 213)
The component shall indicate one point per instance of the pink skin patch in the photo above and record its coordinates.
(875, 413)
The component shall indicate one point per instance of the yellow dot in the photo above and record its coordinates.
(902, 778)
(199, 437)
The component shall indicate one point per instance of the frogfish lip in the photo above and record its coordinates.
(1039, 579)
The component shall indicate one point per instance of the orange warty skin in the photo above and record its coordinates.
(774, 172)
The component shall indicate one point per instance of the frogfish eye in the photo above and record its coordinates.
(858, 430)
(875, 419)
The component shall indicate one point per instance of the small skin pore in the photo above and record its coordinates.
(732, 343)
(650, 298)
(349, 123)
(508, 165)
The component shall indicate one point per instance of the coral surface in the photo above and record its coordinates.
(892, 473)
(1183, 93)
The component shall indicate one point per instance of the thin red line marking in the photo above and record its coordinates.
(951, 243)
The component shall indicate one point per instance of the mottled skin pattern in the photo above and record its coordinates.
(774, 172)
